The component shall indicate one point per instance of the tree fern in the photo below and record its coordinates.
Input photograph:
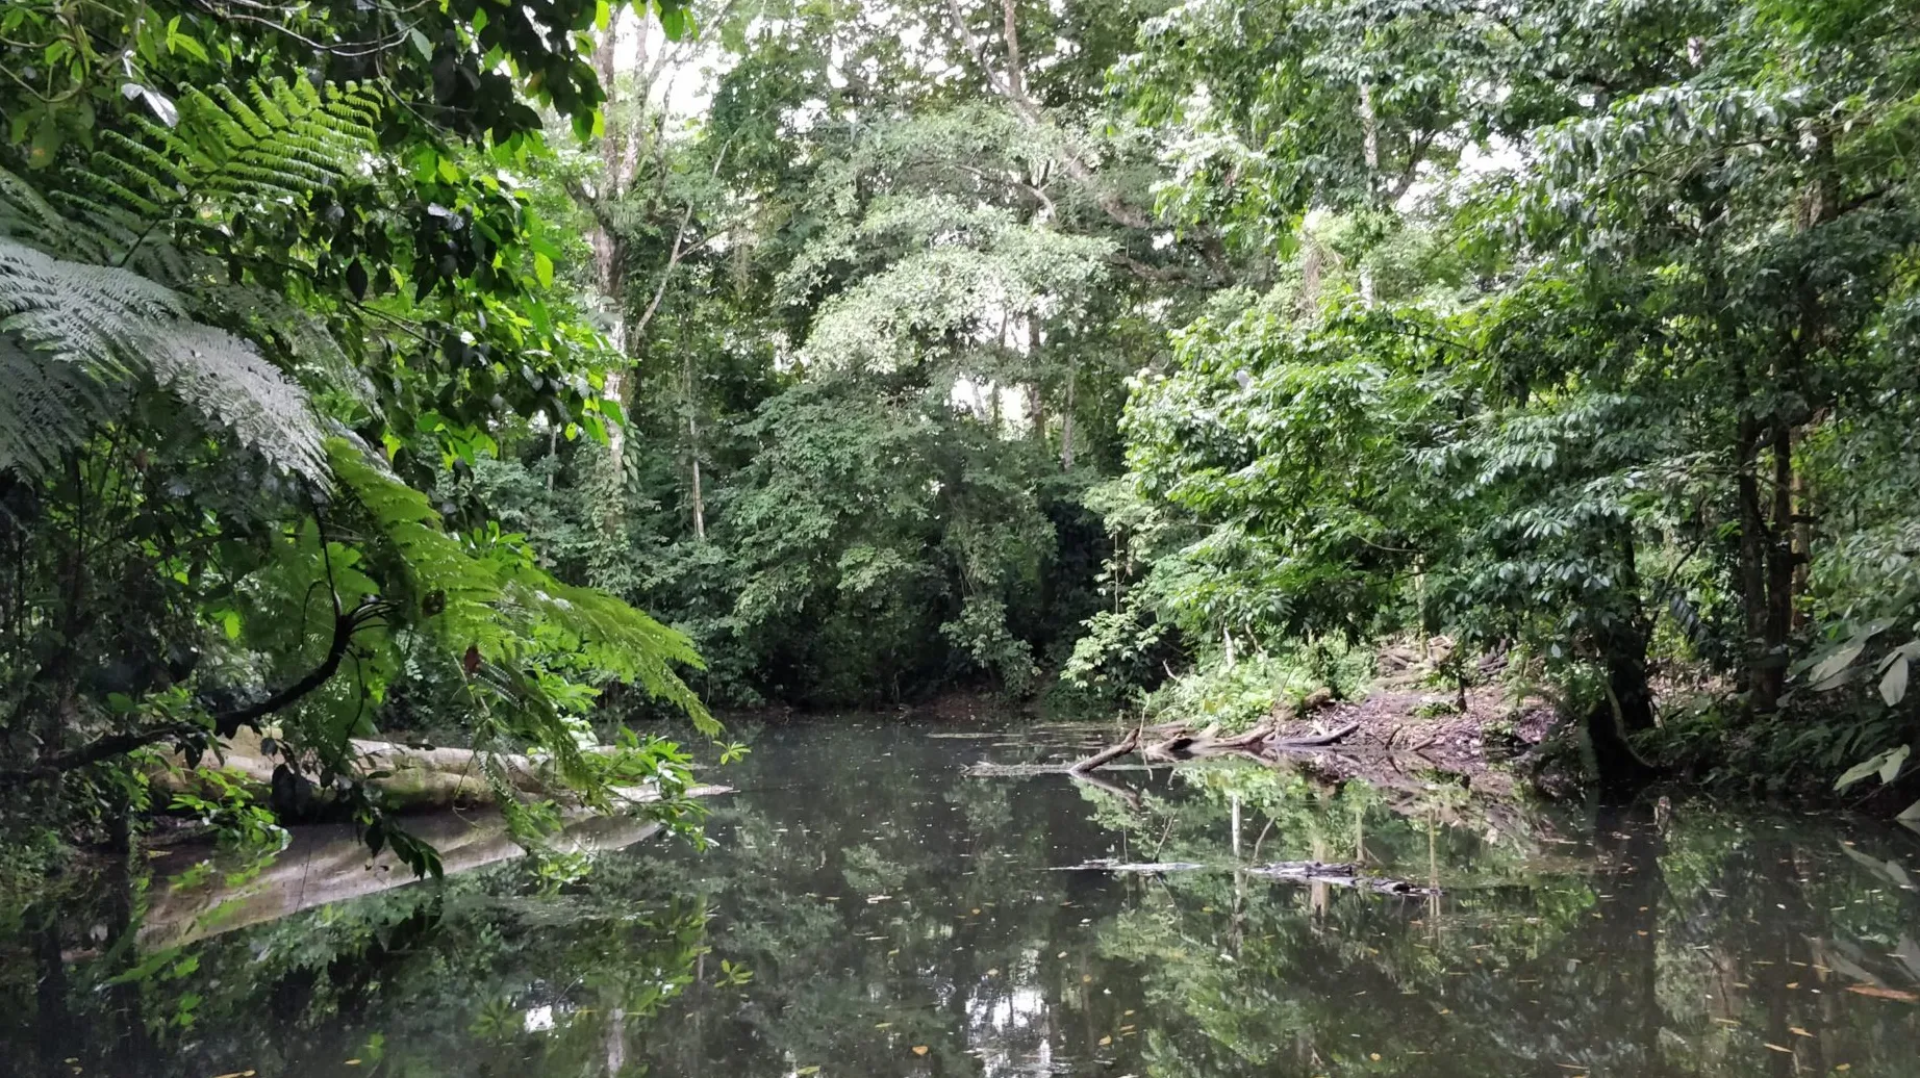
(227, 155)
(511, 613)
(68, 330)
(75, 319)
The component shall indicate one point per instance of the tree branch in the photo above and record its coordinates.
(225, 724)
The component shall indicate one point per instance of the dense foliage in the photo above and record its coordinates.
(264, 282)
(369, 367)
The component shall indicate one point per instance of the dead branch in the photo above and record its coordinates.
(1107, 756)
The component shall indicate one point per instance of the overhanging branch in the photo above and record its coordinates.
(225, 724)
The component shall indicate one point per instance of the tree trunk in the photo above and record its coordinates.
(1764, 678)
(1780, 555)
(1066, 426)
(693, 457)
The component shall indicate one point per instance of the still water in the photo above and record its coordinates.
(874, 905)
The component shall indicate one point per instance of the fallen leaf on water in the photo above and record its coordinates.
(1375, 1056)
(1086, 978)
(1843, 1066)
(1104, 1041)
(976, 911)
(1793, 984)
(883, 1025)
(1777, 1048)
(993, 973)
(1798, 1032)
(1126, 1014)
(1062, 954)
(919, 1049)
(1878, 992)
(804, 1071)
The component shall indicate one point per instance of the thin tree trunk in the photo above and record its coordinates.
(1370, 135)
(1802, 541)
(693, 456)
(1763, 688)
(1781, 562)
(1066, 425)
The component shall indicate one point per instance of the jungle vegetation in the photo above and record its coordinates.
(535, 376)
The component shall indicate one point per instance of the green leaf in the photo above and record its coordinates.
(1893, 686)
(543, 269)
(676, 22)
(421, 45)
(1823, 676)
(603, 15)
(1891, 769)
(1884, 764)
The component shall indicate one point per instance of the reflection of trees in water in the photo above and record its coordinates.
(470, 978)
(876, 916)
(1608, 971)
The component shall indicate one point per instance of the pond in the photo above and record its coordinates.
(874, 904)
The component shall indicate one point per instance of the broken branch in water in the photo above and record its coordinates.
(1339, 875)
(1106, 756)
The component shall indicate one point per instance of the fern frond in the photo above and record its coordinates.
(45, 408)
(113, 325)
(271, 317)
(507, 608)
(276, 146)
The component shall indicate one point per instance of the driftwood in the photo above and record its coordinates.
(1107, 756)
(1338, 875)
(1332, 737)
(1108, 864)
(1183, 743)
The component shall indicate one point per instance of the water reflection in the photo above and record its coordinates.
(871, 909)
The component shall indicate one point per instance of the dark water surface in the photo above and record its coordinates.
(869, 907)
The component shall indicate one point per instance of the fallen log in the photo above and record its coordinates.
(1106, 756)
(410, 779)
(1170, 749)
(1333, 737)
(1338, 875)
(1108, 864)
